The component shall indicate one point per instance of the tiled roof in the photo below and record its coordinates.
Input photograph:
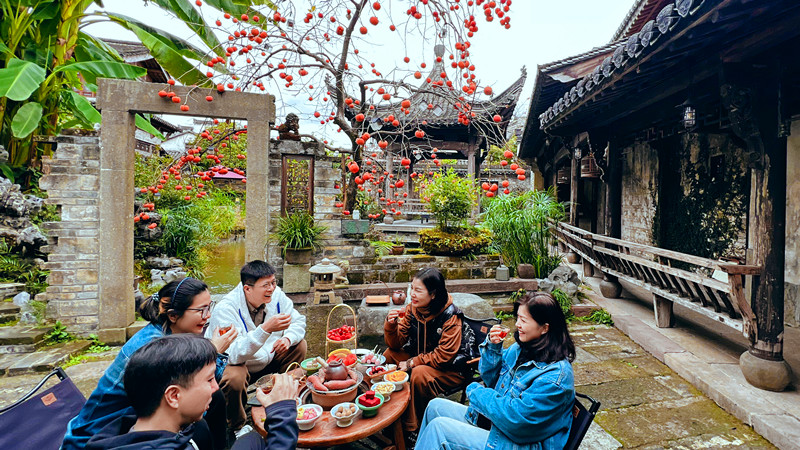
(634, 47)
(130, 51)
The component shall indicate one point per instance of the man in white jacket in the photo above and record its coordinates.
(270, 338)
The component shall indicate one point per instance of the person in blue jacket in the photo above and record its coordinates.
(170, 382)
(530, 390)
(182, 306)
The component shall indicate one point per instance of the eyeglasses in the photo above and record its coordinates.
(273, 283)
(205, 312)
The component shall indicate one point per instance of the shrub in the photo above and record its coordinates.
(450, 198)
(465, 241)
(298, 231)
(190, 229)
(523, 229)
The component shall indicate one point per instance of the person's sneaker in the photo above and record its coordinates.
(242, 431)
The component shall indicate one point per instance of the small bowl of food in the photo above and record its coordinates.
(310, 365)
(344, 413)
(375, 373)
(307, 416)
(398, 377)
(385, 388)
(372, 359)
(369, 402)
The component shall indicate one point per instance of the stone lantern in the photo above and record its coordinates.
(323, 273)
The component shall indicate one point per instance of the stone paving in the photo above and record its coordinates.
(645, 404)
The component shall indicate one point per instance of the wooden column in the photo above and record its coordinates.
(610, 287)
(574, 179)
(614, 192)
(752, 95)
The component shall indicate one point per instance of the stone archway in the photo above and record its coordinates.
(118, 101)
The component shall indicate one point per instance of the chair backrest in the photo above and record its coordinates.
(40, 420)
(581, 420)
(480, 327)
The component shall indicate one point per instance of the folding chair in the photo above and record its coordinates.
(40, 420)
(581, 420)
(481, 329)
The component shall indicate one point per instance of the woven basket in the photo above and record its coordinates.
(349, 344)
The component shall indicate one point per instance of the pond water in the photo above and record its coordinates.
(222, 271)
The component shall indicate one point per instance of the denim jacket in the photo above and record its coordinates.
(109, 401)
(530, 407)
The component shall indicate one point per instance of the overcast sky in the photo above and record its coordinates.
(541, 32)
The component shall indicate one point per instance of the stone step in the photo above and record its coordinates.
(21, 338)
(8, 290)
(9, 312)
(43, 360)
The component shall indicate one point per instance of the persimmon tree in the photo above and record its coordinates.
(324, 57)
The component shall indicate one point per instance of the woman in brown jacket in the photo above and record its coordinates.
(424, 339)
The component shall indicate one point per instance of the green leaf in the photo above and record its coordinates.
(84, 108)
(19, 79)
(170, 59)
(7, 172)
(26, 120)
(105, 69)
(91, 49)
(4, 48)
(46, 11)
(192, 18)
(177, 44)
(145, 125)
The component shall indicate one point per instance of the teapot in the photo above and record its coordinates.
(336, 371)
(399, 297)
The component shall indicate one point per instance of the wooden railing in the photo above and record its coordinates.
(672, 277)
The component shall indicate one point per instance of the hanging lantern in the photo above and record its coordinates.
(563, 176)
(689, 116)
(589, 167)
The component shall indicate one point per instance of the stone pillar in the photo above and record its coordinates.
(471, 166)
(752, 96)
(117, 144)
(72, 180)
(257, 214)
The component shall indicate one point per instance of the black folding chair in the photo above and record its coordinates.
(481, 329)
(581, 420)
(40, 420)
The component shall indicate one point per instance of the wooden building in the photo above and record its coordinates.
(678, 144)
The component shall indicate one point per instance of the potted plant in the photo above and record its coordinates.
(398, 246)
(523, 227)
(298, 236)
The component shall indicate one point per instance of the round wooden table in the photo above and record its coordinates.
(326, 433)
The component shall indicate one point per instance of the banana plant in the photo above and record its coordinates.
(45, 58)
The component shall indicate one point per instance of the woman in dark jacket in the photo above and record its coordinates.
(424, 338)
(529, 394)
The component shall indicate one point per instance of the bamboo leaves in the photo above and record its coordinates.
(522, 227)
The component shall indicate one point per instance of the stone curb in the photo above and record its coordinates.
(746, 403)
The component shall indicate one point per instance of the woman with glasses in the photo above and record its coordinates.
(182, 306)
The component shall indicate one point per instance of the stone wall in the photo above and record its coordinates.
(325, 177)
(400, 269)
(72, 181)
(792, 271)
(639, 184)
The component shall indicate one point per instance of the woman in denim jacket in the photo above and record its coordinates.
(182, 306)
(529, 394)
